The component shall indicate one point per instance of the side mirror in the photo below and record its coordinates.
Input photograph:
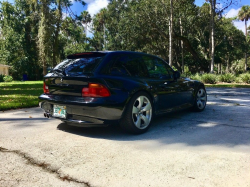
(177, 75)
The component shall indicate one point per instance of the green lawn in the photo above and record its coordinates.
(19, 94)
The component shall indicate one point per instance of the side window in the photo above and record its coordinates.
(170, 70)
(128, 65)
(157, 68)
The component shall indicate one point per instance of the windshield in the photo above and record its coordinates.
(80, 66)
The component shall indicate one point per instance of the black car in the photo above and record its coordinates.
(126, 88)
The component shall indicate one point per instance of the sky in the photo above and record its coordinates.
(94, 6)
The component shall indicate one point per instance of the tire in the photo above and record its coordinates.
(200, 99)
(138, 114)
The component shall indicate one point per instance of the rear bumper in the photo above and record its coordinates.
(86, 112)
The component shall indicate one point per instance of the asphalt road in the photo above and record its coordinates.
(211, 148)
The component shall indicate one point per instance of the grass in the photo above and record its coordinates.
(228, 85)
(19, 94)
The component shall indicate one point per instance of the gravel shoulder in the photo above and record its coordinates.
(211, 148)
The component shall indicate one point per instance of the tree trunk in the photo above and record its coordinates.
(104, 37)
(56, 40)
(182, 54)
(228, 64)
(171, 34)
(44, 68)
(212, 10)
(246, 41)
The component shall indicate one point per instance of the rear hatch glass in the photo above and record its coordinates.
(78, 67)
(74, 73)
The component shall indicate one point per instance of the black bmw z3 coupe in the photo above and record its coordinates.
(117, 87)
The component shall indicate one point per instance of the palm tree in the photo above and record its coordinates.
(85, 19)
(244, 15)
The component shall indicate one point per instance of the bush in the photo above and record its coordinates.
(8, 78)
(245, 78)
(238, 80)
(1, 78)
(197, 77)
(228, 77)
(208, 78)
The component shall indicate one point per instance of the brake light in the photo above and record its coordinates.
(95, 90)
(45, 88)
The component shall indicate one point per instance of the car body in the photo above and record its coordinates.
(117, 87)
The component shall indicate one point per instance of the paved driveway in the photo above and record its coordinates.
(211, 148)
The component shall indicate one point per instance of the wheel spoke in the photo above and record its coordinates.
(138, 122)
(135, 110)
(203, 98)
(147, 107)
(141, 100)
(145, 119)
(200, 93)
(200, 104)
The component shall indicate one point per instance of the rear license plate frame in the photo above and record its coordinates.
(59, 111)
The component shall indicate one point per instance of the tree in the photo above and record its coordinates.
(171, 33)
(214, 10)
(85, 19)
(244, 15)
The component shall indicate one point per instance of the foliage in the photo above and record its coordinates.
(1, 78)
(209, 78)
(244, 15)
(32, 37)
(197, 77)
(7, 78)
(228, 85)
(238, 67)
(228, 77)
(245, 78)
(37, 35)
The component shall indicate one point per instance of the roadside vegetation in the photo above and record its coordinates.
(37, 35)
(17, 94)
(207, 78)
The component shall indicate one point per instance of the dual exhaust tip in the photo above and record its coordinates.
(46, 115)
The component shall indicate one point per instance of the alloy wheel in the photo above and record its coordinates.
(201, 99)
(142, 112)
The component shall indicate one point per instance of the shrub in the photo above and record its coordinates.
(245, 77)
(1, 78)
(228, 77)
(238, 80)
(197, 77)
(208, 78)
(7, 78)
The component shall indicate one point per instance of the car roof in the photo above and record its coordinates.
(99, 54)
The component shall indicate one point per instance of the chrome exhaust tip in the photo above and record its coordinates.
(46, 114)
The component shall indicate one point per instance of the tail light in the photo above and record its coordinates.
(45, 88)
(95, 90)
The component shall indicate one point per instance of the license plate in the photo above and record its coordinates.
(59, 111)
